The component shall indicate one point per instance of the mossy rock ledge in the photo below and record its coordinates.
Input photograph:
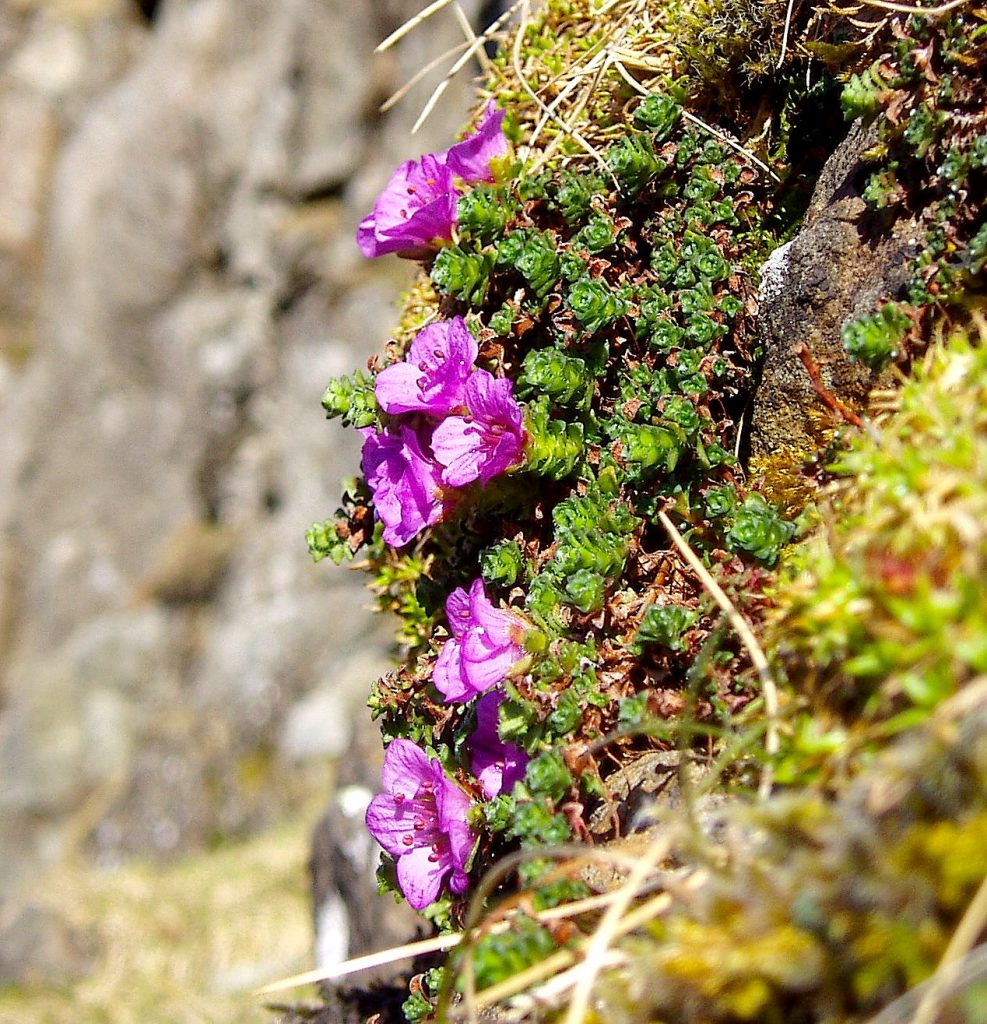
(733, 270)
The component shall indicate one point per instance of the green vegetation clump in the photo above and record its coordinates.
(883, 615)
(663, 611)
(825, 909)
(924, 100)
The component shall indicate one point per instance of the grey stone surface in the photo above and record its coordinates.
(178, 279)
(838, 267)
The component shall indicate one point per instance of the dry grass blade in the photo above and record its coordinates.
(526, 85)
(596, 951)
(364, 963)
(470, 35)
(725, 139)
(473, 47)
(410, 24)
(928, 12)
(784, 35)
(747, 638)
(595, 66)
(421, 73)
(967, 932)
(552, 992)
(561, 984)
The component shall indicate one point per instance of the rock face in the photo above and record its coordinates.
(837, 268)
(178, 281)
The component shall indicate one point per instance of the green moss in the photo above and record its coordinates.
(829, 909)
(881, 615)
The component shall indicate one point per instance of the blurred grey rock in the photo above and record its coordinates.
(178, 279)
(35, 943)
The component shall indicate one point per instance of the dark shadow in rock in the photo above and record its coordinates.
(148, 8)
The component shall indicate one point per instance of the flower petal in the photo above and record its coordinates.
(448, 674)
(495, 623)
(458, 445)
(420, 878)
(480, 673)
(388, 824)
(405, 482)
(461, 843)
(458, 611)
(415, 211)
(406, 767)
(471, 158)
(396, 388)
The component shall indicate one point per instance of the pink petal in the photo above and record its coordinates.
(416, 210)
(419, 877)
(471, 158)
(396, 387)
(448, 673)
(480, 675)
(458, 611)
(366, 237)
(496, 623)
(491, 400)
(461, 843)
(406, 767)
(451, 802)
(457, 444)
(452, 338)
(387, 824)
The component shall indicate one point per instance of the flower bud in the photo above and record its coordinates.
(352, 399)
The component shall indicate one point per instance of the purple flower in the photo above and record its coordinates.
(486, 441)
(485, 643)
(432, 379)
(416, 212)
(471, 159)
(498, 765)
(405, 482)
(421, 821)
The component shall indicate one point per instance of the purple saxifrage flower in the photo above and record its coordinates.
(416, 212)
(432, 378)
(487, 440)
(405, 482)
(472, 159)
(497, 765)
(420, 820)
(485, 643)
